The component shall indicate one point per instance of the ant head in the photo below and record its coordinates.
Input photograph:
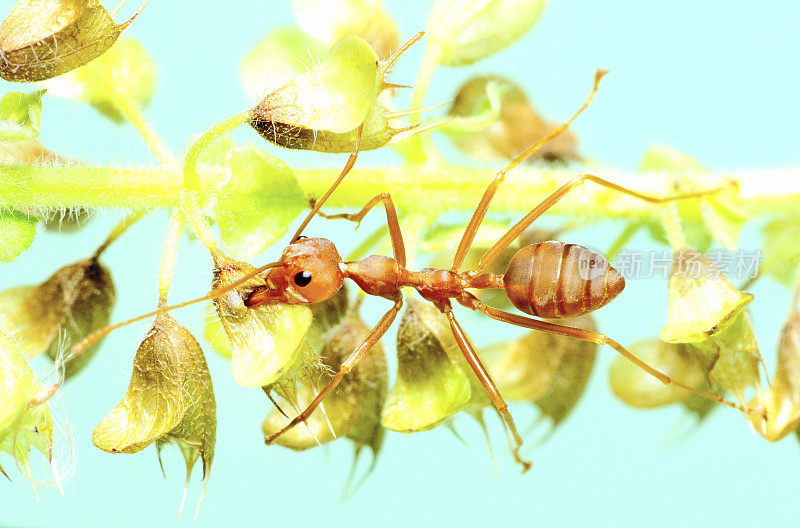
(309, 272)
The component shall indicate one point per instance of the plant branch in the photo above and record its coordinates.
(191, 178)
(134, 114)
(451, 187)
(167, 270)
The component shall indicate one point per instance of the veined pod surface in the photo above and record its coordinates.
(431, 385)
(41, 39)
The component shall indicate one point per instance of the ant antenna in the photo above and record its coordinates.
(402, 49)
(213, 294)
(318, 204)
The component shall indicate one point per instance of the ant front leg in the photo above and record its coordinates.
(372, 338)
(486, 380)
(398, 246)
(592, 337)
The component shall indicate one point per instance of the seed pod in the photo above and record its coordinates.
(463, 31)
(170, 398)
(341, 411)
(265, 340)
(329, 21)
(782, 400)
(125, 71)
(22, 426)
(731, 358)
(572, 375)
(16, 234)
(43, 39)
(431, 385)
(495, 119)
(702, 302)
(52, 317)
(638, 388)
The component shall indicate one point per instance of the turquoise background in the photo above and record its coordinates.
(716, 79)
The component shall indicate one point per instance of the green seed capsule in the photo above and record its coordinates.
(431, 386)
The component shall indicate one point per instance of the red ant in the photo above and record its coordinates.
(544, 280)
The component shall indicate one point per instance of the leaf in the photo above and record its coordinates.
(701, 300)
(638, 388)
(20, 116)
(41, 39)
(330, 20)
(465, 31)
(259, 208)
(16, 234)
(781, 250)
(493, 118)
(278, 58)
(335, 95)
(265, 340)
(170, 399)
(782, 401)
(731, 358)
(125, 71)
(431, 386)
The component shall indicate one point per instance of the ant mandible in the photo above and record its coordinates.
(542, 280)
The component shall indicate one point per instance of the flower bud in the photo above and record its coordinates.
(494, 119)
(43, 39)
(20, 116)
(431, 385)
(638, 388)
(170, 398)
(52, 317)
(265, 340)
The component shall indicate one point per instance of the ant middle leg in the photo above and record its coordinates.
(486, 380)
(593, 337)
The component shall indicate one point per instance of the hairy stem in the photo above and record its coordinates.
(134, 114)
(118, 230)
(454, 188)
(168, 257)
(191, 178)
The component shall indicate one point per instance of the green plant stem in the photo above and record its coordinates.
(672, 227)
(413, 187)
(118, 230)
(191, 178)
(167, 270)
(192, 212)
(134, 114)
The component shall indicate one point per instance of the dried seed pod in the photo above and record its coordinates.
(782, 401)
(265, 340)
(170, 399)
(495, 119)
(702, 302)
(41, 39)
(638, 388)
(572, 375)
(431, 386)
(329, 21)
(74, 302)
(731, 358)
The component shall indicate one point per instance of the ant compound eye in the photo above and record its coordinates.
(303, 278)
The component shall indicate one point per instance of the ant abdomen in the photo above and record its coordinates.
(555, 280)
